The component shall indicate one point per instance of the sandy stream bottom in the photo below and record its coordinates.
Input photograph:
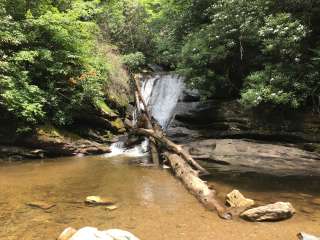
(152, 204)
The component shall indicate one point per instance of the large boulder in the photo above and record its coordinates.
(272, 212)
(90, 233)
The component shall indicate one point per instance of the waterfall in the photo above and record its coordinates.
(161, 94)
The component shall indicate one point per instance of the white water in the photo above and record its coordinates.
(165, 93)
(118, 148)
(161, 94)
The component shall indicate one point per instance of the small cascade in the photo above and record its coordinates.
(165, 92)
(118, 148)
(161, 94)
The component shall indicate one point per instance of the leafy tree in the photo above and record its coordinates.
(259, 51)
(49, 65)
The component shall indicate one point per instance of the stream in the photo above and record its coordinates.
(152, 204)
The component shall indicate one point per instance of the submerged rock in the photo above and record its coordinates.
(236, 199)
(67, 233)
(41, 205)
(272, 212)
(97, 200)
(305, 236)
(112, 207)
(316, 201)
(90, 233)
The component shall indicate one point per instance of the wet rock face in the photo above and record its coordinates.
(272, 212)
(244, 156)
(228, 118)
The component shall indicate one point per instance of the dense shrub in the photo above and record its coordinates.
(49, 64)
(134, 61)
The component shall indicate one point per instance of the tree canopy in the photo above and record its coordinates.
(261, 52)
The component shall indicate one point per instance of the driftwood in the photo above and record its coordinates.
(195, 185)
(152, 143)
(171, 146)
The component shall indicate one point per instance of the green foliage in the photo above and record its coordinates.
(49, 64)
(280, 82)
(134, 61)
(281, 37)
(54, 63)
(254, 49)
(124, 22)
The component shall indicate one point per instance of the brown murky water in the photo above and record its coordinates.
(152, 204)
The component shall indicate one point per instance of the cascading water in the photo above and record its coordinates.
(165, 93)
(161, 94)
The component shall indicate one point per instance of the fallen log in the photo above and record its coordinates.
(171, 146)
(195, 185)
(152, 143)
(182, 163)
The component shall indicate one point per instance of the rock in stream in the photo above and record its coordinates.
(306, 236)
(90, 233)
(272, 212)
(236, 199)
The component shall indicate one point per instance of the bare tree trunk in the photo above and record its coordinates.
(171, 146)
(152, 143)
(195, 185)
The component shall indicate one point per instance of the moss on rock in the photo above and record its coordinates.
(118, 125)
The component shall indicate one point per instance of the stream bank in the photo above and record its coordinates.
(91, 133)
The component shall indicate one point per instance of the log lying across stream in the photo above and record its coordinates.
(181, 162)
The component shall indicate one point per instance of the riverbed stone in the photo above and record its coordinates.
(91, 233)
(111, 207)
(42, 205)
(306, 236)
(316, 201)
(236, 199)
(67, 233)
(272, 212)
(97, 200)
